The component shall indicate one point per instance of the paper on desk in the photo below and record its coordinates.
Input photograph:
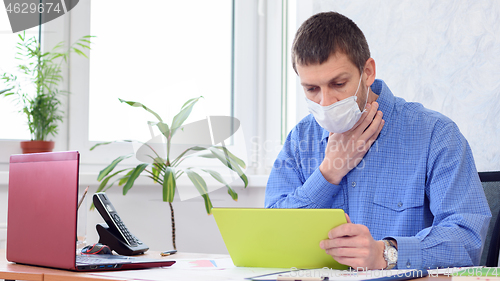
(195, 264)
(170, 274)
(333, 274)
(192, 269)
(476, 273)
(353, 275)
(450, 271)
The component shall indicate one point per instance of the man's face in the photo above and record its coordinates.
(332, 81)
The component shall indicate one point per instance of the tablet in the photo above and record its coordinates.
(278, 238)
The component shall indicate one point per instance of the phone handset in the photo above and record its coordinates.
(115, 234)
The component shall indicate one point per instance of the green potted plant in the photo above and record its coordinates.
(36, 91)
(166, 170)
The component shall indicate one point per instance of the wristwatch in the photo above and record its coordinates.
(390, 254)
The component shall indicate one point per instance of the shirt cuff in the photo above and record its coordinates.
(409, 252)
(319, 190)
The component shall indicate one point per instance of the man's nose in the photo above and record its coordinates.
(327, 97)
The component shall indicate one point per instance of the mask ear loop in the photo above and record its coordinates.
(367, 91)
(366, 100)
(359, 84)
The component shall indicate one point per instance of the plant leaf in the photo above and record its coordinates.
(99, 144)
(233, 157)
(108, 142)
(124, 179)
(3, 91)
(163, 129)
(169, 185)
(106, 180)
(111, 166)
(229, 163)
(83, 45)
(183, 114)
(189, 101)
(219, 178)
(156, 173)
(159, 163)
(79, 52)
(201, 186)
(138, 104)
(195, 148)
(208, 155)
(133, 176)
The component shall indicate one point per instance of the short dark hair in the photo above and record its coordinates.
(328, 33)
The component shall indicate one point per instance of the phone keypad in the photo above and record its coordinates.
(131, 239)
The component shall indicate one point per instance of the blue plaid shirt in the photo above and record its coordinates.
(417, 184)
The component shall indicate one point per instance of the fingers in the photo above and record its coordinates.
(356, 263)
(337, 243)
(368, 256)
(371, 134)
(363, 116)
(374, 137)
(359, 237)
(351, 251)
(357, 250)
(347, 218)
(348, 229)
(367, 120)
(348, 253)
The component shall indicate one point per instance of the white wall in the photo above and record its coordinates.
(148, 217)
(441, 53)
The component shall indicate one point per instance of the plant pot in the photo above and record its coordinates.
(37, 146)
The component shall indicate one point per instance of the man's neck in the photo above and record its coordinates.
(372, 96)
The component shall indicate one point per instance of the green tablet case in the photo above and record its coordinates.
(278, 238)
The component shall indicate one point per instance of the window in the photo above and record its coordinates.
(170, 52)
(148, 49)
(16, 127)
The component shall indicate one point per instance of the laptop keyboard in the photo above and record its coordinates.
(95, 259)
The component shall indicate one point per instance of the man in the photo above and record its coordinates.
(404, 175)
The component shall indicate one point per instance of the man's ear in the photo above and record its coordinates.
(370, 71)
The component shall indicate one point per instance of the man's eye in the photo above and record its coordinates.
(311, 89)
(338, 85)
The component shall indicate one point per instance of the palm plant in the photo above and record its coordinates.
(36, 92)
(166, 170)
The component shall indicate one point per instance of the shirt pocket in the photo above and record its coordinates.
(400, 199)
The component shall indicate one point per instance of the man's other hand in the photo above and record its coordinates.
(344, 151)
(353, 245)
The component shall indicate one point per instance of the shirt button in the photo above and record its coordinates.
(353, 184)
(400, 204)
(408, 264)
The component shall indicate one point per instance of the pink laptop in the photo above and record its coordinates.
(42, 216)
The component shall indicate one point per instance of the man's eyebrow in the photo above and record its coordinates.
(306, 85)
(339, 76)
(342, 75)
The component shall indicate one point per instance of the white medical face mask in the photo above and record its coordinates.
(338, 117)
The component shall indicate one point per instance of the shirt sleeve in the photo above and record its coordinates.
(457, 202)
(288, 187)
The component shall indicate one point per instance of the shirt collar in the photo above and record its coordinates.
(385, 101)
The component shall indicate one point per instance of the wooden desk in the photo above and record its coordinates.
(12, 271)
